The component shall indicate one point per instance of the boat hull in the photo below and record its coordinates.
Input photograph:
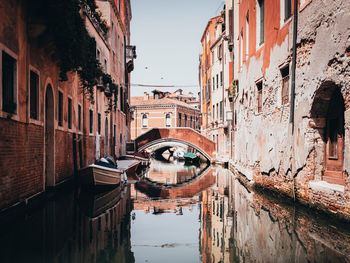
(95, 175)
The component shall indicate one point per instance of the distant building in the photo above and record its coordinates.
(163, 109)
(216, 75)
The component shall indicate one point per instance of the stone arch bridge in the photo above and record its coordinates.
(185, 136)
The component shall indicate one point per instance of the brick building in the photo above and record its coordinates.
(294, 139)
(160, 111)
(217, 76)
(48, 127)
(205, 76)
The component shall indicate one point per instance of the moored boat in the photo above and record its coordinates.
(129, 166)
(143, 160)
(101, 175)
(191, 158)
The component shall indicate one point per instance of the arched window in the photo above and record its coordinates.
(168, 120)
(144, 120)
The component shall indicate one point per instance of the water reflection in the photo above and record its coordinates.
(207, 217)
(63, 232)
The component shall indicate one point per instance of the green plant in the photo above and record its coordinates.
(75, 48)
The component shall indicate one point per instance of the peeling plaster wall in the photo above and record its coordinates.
(266, 149)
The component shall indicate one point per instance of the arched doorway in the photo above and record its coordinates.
(328, 111)
(106, 144)
(49, 138)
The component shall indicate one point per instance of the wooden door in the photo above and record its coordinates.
(334, 148)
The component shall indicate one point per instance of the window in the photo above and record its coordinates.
(105, 65)
(212, 57)
(285, 84)
(114, 134)
(260, 22)
(259, 87)
(191, 119)
(247, 36)
(221, 78)
(287, 9)
(219, 52)
(8, 83)
(217, 110)
(144, 120)
(213, 112)
(98, 55)
(79, 117)
(221, 110)
(99, 123)
(60, 108)
(185, 121)
(217, 81)
(34, 95)
(168, 120)
(213, 83)
(91, 121)
(179, 120)
(69, 113)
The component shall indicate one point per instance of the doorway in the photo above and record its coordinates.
(334, 139)
(49, 138)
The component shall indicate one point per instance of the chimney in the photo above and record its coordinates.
(145, 96)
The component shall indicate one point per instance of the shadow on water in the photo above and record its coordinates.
(74, 226)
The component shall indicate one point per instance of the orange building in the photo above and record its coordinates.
(205, 77)
(163, 109)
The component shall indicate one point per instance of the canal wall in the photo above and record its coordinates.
(300, 161)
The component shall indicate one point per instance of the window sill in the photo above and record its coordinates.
(36, 122)
(60, 128)
(5, 115)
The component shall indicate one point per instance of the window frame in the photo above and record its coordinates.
(167, 119)
(14, 56)
(60, 108)
(91, 121)
(79, 117)
(144, 120)
(99, 123)
(35, 71)
(69, 113)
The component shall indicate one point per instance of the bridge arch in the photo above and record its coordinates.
(185, 136)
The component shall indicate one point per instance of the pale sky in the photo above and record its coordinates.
(167, 36)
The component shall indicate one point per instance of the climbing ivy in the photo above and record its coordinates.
(75, 48)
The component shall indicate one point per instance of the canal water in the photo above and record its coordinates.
(175, 213)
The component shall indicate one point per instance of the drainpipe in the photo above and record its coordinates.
(292, 102)
(294, 59)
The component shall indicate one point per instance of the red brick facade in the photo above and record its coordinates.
(42, 151)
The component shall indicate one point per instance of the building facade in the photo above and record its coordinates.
(293, 119)
(50, 128)
(159, 111)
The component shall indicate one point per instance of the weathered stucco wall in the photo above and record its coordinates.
(267, 150)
